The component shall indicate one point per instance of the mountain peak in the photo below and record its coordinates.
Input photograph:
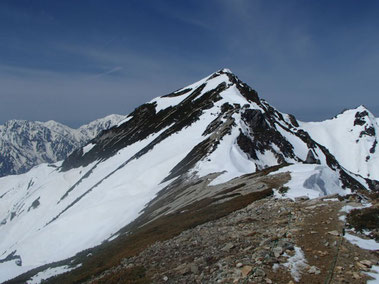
(226, 70)
(360, 108)
(222, 71)
(206, 144)
(222, 83)
(359, 115)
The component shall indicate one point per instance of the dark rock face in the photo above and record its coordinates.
(369, 131)
(144, 122)
(372, 149)
(177, 94)
(35, 204)
(293, 120)
(306, 138)
(263, 135)
(247, 145)
(12, 256)
(311, 159)
(245, 90)
(373, 184)
(359, 118)
(255, 120)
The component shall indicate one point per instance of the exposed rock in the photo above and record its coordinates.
(359, 118)
(277, 251)
(366, 263)
(246, 270)
(228, 247)
(259, 273)
(362, 266)
(314, 270)
(311, 159)
(356, 275)
(194, 269)
(334, 233)
(183, 268)
(302, 198)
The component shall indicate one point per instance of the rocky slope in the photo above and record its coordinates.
(25, 144)
(176, 162)
(303, 243)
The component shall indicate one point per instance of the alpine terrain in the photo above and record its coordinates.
(25, 144)
(208, 184)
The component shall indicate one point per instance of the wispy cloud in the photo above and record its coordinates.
(108, 72)
(296, 57)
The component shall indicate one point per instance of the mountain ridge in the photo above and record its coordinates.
(198, 147)
(25, 144)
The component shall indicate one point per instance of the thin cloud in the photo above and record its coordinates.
(294, 56)
(110, 71)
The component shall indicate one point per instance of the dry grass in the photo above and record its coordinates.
(135, 275)
(366, 218)
(110, 254)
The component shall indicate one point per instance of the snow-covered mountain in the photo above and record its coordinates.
(352, 137)
(25, 144)
(198, 143)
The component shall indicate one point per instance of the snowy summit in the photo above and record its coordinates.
(211, 133)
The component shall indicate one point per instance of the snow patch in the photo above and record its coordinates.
(348, 208)
(50, 272)
(311, 180)
(331, 199)
(368, 244)
(165, 102)
(124, 120)
(374, 274)
(88, 148)
(296, 264)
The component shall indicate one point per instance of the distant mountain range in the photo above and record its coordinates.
(25, 144)
(180, 160)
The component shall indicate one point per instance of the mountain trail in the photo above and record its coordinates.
(269, 241)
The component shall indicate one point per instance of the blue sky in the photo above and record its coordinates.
(75, 61)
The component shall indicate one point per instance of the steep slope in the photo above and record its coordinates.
(24, 144)
(352, 137)
(167, 155)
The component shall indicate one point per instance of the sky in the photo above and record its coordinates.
(74, 61)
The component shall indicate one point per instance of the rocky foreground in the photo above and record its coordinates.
(270, 241)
